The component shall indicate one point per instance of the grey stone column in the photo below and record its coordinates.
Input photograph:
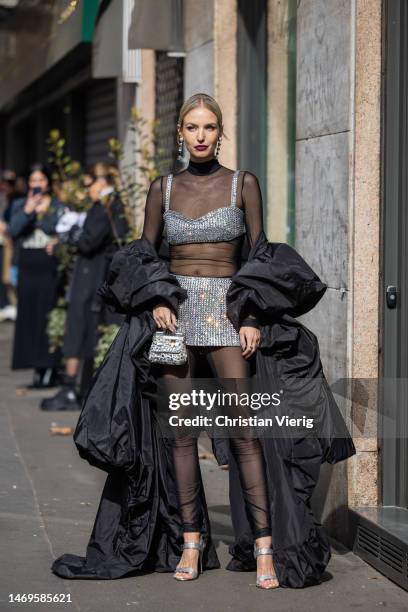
(199, 41)
(322, 185)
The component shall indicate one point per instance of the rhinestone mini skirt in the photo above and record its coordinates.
(202, 316)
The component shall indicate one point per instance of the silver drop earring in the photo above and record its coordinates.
(217, 150)
(180, 155)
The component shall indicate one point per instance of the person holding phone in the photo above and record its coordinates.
(96, 236)
(32, 222)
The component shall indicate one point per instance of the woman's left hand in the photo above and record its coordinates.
(51, 245)
(250, 338)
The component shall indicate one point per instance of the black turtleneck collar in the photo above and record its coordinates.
(205, 167)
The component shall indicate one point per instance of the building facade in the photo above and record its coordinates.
(62, 70)
(314, 94)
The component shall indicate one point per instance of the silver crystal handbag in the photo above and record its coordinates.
(168, 348)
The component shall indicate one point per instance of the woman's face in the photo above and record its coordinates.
(38, 179)
(96, 187)
(200, 131)
(87, 180)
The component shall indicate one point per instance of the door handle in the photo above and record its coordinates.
(391, 296)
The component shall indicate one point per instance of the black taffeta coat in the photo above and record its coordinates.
(138, 526)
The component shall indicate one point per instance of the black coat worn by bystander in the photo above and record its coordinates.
(95, 244)
(138, 526)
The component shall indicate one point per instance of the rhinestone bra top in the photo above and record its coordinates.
(218, 225)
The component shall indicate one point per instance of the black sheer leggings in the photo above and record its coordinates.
(227, 363)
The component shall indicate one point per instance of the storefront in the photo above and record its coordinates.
(53, 87)
(157, 29)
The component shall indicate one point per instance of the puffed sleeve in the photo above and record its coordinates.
(138, 279)
(153, 220)
(276, 281)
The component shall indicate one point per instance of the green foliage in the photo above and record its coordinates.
(56, 326)
(107, 336)
(67, 174)
(136, 176)
(133, 180)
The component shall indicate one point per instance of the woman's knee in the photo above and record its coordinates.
(246, 446)
(187, 443)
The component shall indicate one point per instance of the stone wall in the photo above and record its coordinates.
(199, 42)
(337, 211)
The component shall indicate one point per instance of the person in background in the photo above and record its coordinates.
(14, 186)
(33, 220)
(8, 310)
(96, 237)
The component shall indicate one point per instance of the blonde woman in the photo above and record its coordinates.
(208, 208)
(153, 513)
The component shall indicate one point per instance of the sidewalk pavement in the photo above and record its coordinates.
(48, 501)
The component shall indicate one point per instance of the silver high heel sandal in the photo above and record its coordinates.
(190, 570)
(259, 579)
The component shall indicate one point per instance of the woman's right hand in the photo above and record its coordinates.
(164, 317)
(32, 202)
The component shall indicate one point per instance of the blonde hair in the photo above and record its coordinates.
(205, 100)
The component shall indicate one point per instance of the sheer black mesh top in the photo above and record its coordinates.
(219, 225)
(199, 200)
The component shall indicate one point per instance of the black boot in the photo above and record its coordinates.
(44, 378)
(66, 399)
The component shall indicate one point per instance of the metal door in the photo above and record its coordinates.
(394, 414)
